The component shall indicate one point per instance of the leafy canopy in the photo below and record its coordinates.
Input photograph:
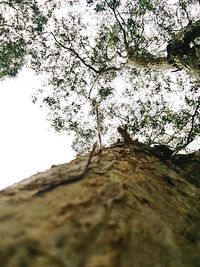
(110, 63)
(21, 23)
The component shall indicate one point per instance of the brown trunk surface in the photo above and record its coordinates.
(132, 209)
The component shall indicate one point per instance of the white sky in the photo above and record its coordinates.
(27, 143)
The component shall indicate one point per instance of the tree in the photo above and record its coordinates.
(86, 58)
(21, 24)
(128, 204)
(111, 62)
(131, 208)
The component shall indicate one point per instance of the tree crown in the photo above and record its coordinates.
(111, 63)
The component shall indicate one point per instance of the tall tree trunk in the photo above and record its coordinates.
(131, 208)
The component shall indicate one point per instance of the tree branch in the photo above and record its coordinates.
(190, 137)
(98, 71)
(75, 53)
(119, 23)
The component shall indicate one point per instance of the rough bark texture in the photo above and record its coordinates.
(132, 209)
(184, 50)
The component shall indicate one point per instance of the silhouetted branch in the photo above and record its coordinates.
(99, 71)
(190, 137)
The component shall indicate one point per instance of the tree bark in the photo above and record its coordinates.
(132, 208)
(149, 62)
(183, 51)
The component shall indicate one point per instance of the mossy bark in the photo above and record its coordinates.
(131, 209)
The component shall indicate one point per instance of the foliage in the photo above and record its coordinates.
(21, 22)
(85, 48)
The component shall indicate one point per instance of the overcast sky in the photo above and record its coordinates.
(27, 143)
